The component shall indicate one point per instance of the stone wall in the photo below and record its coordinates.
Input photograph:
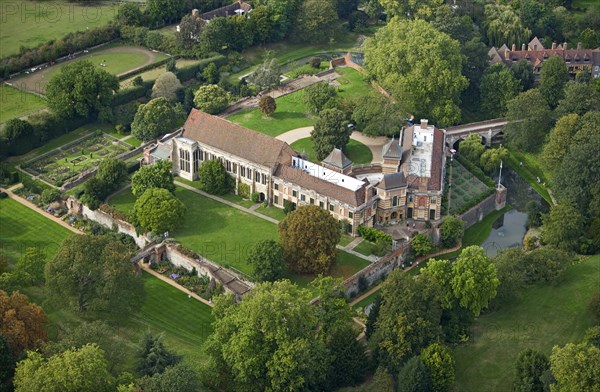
(478, 212)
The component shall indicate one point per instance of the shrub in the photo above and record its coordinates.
(244, 190)
(255, 197)
(371, 234)
(50, 195)
(315, 62)
(138, 81)
(3, 195)
(288, 206)
(267, 105)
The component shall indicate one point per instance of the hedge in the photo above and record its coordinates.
(372, 235)
(145, 68)
(189, 72)
(132, 93)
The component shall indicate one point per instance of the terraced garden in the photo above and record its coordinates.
(465, 186)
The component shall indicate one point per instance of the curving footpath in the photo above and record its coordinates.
(375, 144)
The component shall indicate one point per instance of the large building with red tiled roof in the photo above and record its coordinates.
(576, 59)
(410, 187)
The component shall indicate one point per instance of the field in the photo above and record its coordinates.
(544, 317)
(292, 113)
(113, 59)
(15, 103)
(22, 228)
(465, 186)
(357, 152)
(65, 163)
(30, 23)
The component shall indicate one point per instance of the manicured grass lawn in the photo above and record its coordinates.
(273, 212)
(22, 228)
(123, 201)
(346, 239)
(134, 141)
(221, 233)
(532, 169)
(366, 248)
(16, 103)
(291, 111)
(545, 316)
(232, 197)
(29, 23)
(357, 152)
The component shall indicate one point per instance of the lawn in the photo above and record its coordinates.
(22, 228)
(231, 197)
(272, 212)
(531, 170)
(123, 201)
(30, 23)
(346, 239)
(154, 73)
(345, 266)
(15, 103)
(465, 186)
(357, 152)
(544, 317)
(366, 248)
(292, 113)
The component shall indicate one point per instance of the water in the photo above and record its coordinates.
(510, 228)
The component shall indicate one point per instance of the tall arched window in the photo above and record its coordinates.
(394, 201)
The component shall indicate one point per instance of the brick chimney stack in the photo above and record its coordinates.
(578, 45)
(507, 54)
(523, 47)
(514, 47)
(424, 123)
(195, 12)
(565, 46)
(553, 45)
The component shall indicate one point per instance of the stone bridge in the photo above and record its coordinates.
(488, 129)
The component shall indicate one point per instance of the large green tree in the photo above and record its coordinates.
(158, 175)
(180, 378)
(213, 177)
(331, 131)
(474, 279)
(33, 262)
(190, 29)
(152, 355)
(524, 74)
(439, 361)
(166, 86)
(576, 367)
(158, 211)
(81, 369)
(268, 341)
(498, 86)
(491, 158)
(309, 236)
(316, 21)
(559, 139)
(530, 367)
(157, 117)
(317, 95)
(563, 226)
(452, 230)
(529, 120)
(111, 172)
(81, 90)
(211, 99)
(377, 115)
(410, 8)
(472, 148)
(420, 67)
(22, 323)
(94, 273)
(503, 26)
(18, 136)
(268, 259)
(579, 98)
(267, 75)
(414, 377)
(553, 77)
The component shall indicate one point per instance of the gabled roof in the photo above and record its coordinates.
(337, 159)
(535, 44)
(392, 149)
(236, 140)
(392, 181)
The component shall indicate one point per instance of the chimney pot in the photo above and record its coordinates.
(553, 45)
(578, 45)
(565, 46)
(514, 47)
(507, 54)
(523, 47)
(195, 12)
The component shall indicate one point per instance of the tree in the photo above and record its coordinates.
(441, 272)
(562, 226)
(158, 211)
(32, 263)
(331, 131)
(529, 119)
(452, 230)
(19, 136)
(7, 365)
(158, 175)
(267, 105)
(409, 318)
(216, 35)
(153, 357)
(211, 99)
(559, 139)
(576, 367)
(503, 26)
(111, 172)
(180, 378)
(414, 377)
(589, 38)
(371, 324)
(267, 75)
(50, 195)
(377, 115)
(155, 118)
(268, 341)
(81, 90)
(22, 324)
(309, 237)
(347, 357)
(420, 67)
(579, 98)
(166, 86)
(471, 148)
(491, 158)
(95, 273)
(510, 270)
(439, 361)
(421, 244)
(130, 14)
(316, 21)
(498, 86)
(76, 370)
(474, 279)
(211, 74)
(190, 30)
(524, 74)
(268, 259)
(317, 95)
(213, 177)
(529, 369)
(410, 9)
(553, 77)
(163, 11)
(534, 213)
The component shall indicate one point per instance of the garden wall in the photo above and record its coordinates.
(479, 211)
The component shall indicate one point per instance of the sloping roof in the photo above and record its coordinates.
(236, 140)
(535, 44)
(322, 187)
(392, 181)
(337, 159)
(228, 10)
(392, 149)
(161, 151)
